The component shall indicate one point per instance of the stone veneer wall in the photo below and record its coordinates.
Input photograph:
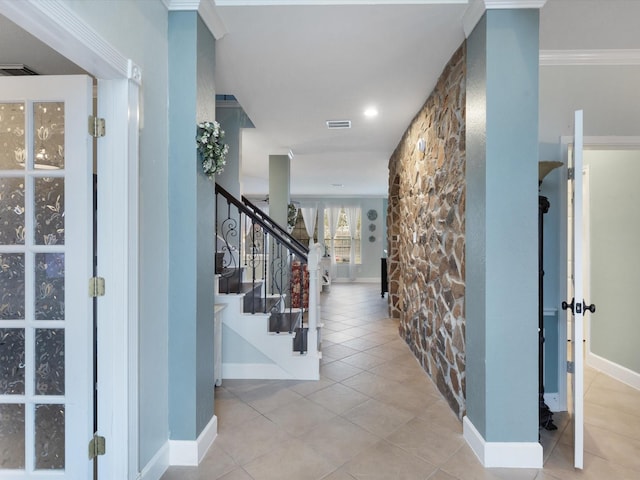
(427, 202)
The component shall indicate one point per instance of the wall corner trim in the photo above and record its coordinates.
(502, 454)
(476, 9)
(157, 465)
(191, 452)
(207, 10)
(614, 370)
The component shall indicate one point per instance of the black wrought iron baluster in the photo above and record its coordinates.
(264, 267)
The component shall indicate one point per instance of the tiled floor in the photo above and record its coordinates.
(375, 415)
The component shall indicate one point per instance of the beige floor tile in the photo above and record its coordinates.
(292, 459)
(251, 439)
(441, 475)
(614, 395)
(613, 420)
(237, 474)
(267, 398)
(361, 343)
(613, 447)
(377, 417)
(440, 413)
(307, 387)
(372, 387)
(384, 461)
(338, 398)
(369, 384)
(300, 416)
(560, 466)
(339, 441)
(231, 412)
(338, 351)
(339, 474)
(338, 371)
(429, 441)
(363, 360)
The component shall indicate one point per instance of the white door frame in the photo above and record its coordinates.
(119, 80)
(590, 143)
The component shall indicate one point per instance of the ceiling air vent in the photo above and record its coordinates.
(331, 124)
(15, 69)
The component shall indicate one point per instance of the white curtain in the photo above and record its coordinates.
(309, 215)
(333, 215)
(352, 219)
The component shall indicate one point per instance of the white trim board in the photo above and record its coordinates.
(620, 57)
(502, 454)
(191, 452)
(618, 372)
(157, 465)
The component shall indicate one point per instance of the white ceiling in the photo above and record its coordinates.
(293, 67)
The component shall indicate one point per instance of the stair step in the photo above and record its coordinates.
(300, 340)
(284, 322)
(254, 304)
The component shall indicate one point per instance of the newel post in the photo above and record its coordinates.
(313, 266)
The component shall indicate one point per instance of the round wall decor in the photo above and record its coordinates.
(372, 238)
(372, 227)
(372, 214)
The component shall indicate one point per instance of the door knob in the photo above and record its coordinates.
(591, 308)
(566, 305)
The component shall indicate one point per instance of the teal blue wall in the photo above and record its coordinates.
(191, 247)
(502, 239)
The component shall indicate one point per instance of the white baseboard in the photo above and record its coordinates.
(157, 465)
(620, 373)
(266, 371)
(502, 454)
(552, 399)
(191, 452)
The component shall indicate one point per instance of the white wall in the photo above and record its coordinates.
(371, 252)
(615, 263)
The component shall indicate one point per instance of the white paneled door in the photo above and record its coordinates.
(46, 314)
(576, 305)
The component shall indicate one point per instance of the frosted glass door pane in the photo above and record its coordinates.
(12, 138)
(11, 436)
(49, 283)
(11, 286)
(49, 362)
(48, 135)
(12, 211)
(49, 211)
(49, 452)
(11, 361)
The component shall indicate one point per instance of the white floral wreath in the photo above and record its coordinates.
(212, 151)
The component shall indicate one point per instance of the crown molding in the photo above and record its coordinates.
(589, 57)
(254, 3)
(207, 10)
(476, 9)
(502, 4)
(62, 29)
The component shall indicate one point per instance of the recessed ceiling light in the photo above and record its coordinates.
(371, 112)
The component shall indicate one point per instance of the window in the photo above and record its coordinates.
(342, 242)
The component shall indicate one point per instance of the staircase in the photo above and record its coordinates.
(268, 283)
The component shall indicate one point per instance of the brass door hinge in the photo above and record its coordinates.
(96, 126)
(97, 446)
(571, 367)
(96, 287)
